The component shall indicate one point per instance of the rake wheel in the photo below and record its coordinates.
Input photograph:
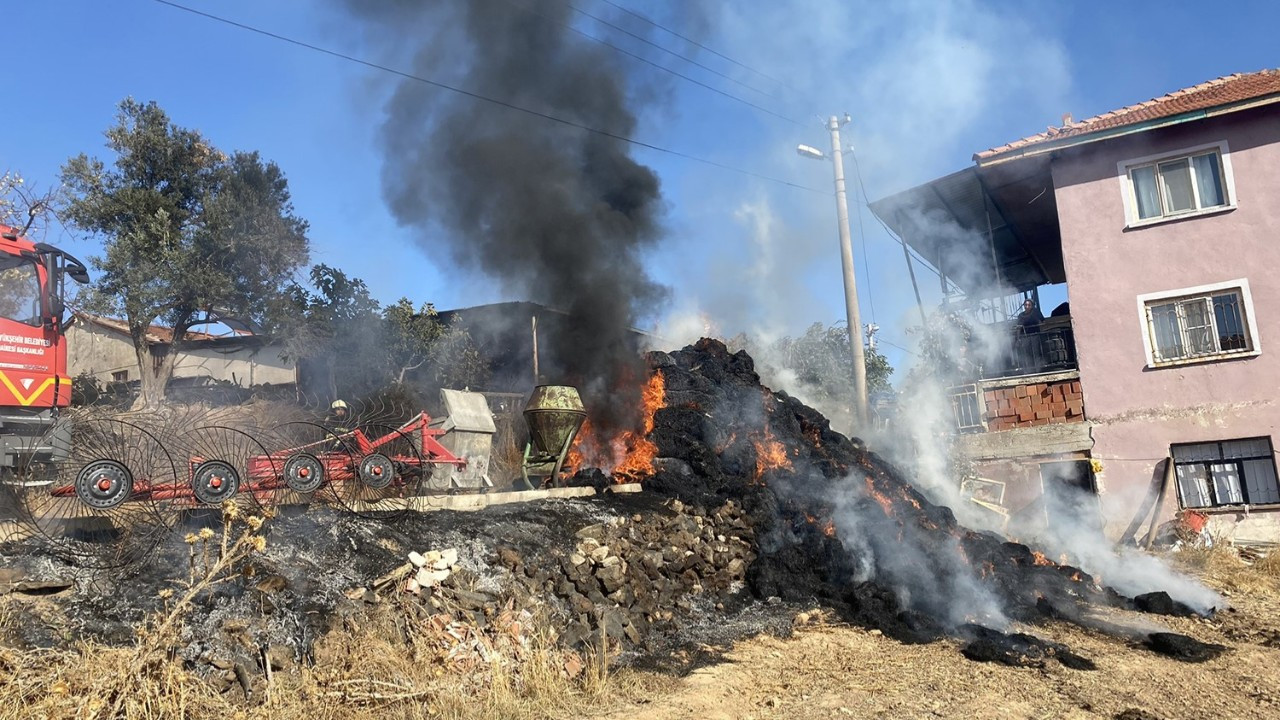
(387, 475)
(84, 490)
(311, 458)
(225, 463)
(304, 473)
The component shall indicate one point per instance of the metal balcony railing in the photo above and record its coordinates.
(1048, 350)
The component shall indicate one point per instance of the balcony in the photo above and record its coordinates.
(1031, 380)
(1050, 349)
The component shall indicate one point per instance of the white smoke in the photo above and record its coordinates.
(927, 84)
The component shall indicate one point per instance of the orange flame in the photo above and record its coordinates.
(586, 436)
(633, 447)
(812, 434)
(828, 528)
(770, 454)
(640, 451)
(885, 503)
(1038, 558)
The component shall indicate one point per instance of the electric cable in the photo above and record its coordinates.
(695, 43)
(649, 42)
(647, 61)
(857, 169)
(484, 98)
(866, 263)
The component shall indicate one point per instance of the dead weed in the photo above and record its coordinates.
(395, 661)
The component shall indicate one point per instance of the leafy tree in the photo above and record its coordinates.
(187, 231)
(818, 367)
(364, 348)
(420, 343)
(823, 359)
(336, 326)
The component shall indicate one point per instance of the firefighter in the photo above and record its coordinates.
(337, 421)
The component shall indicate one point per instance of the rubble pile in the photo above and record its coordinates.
(631, 575)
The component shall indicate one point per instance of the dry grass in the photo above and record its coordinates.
(383, 668)
(394, 661)
(1222, 566)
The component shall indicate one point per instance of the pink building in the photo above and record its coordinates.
(1156, 387)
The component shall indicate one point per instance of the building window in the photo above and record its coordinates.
(1230, 472)
(120, 376)
(1205, 323)
(1172, 186)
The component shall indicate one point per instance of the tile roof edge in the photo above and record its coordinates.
(1050, 133)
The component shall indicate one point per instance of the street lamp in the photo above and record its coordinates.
(810, 152)
(846, 263)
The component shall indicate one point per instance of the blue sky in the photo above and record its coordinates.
(927, 84)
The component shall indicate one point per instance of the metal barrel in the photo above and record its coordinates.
(554, 413)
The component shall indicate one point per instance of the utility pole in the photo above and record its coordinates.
(850, 282)
(846, 261)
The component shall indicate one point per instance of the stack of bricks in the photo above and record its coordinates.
(1036, 404)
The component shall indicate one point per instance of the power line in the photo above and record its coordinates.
(693, 42)
(647, 61)
(891, 344)
(483, 98)
(866, 264)
(857, 169)
(651, 43)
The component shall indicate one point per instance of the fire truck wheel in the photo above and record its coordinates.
(214, 481)
(104, 484)
(304, 473)
(376, 471)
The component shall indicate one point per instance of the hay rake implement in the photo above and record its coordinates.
(104, 491)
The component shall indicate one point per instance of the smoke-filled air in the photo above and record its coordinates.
(775, 359)
(551, 212)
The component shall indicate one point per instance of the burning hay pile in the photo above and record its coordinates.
(837, 524)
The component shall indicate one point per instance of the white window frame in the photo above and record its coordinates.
(1125, 168)
(977, 423)
(1240, 285)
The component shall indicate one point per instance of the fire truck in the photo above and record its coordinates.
(33, 355)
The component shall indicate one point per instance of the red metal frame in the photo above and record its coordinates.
(265, 473)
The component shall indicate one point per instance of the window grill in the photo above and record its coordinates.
(966, 405)
(1199, 326)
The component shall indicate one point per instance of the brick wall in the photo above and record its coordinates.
(1034, 404)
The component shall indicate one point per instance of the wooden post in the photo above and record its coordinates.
(536, 375)
(1169, 471)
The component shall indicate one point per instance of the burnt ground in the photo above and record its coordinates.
(658, 611)
(756, 511)
(840, 671)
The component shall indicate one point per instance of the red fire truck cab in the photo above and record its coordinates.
(33, 353)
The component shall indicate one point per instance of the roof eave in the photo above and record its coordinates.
(1049, 146)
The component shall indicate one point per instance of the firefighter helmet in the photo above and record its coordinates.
(338, 404)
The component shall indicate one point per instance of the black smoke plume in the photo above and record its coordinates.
(553, 212)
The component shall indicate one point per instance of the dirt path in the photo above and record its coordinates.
(837, 671)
